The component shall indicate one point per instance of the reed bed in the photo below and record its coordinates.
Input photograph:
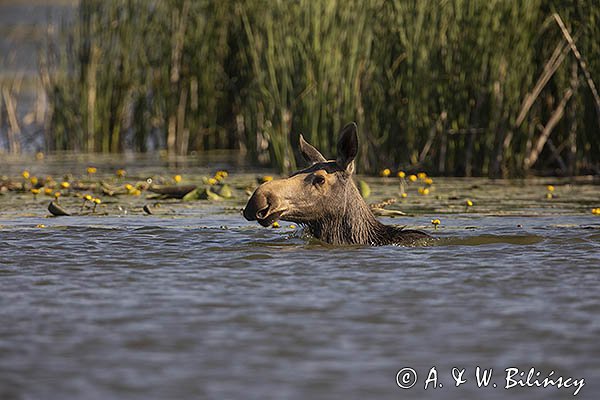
(454, 87)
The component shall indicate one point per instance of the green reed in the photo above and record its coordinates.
(434, 85)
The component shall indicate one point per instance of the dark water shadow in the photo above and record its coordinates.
(481, 240)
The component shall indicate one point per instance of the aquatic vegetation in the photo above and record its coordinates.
(86, 198)
(56, 210)
(385, 172)
(96, 202)
(220, 175)
(364, 189)
(445, 195)
(450, 86)
(224, 191)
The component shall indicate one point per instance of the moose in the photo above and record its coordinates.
(324, 199)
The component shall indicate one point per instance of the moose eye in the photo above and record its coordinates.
(318, 180)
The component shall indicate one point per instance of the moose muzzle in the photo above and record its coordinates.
(264, 206)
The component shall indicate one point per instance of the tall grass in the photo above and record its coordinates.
(432, 84)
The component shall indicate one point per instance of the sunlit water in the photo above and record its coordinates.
(204, 304)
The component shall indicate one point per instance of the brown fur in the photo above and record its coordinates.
(324, 198)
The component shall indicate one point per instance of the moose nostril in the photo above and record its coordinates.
(262, 213)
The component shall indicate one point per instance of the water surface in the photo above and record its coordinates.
(199, 303)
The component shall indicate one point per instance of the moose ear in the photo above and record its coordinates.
(309, 153)
(347, 147)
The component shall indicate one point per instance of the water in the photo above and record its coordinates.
(199, 303)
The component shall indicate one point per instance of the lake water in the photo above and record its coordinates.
(195, 302)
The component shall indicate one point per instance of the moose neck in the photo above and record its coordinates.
(356, 224)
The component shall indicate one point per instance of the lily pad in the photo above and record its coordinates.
(201, 194)
(224, 191)
(57, 210)
(364, 189)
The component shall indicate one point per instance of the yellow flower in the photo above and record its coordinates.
(550, 188)
(428, 181)
(435, 222)
(404, 195)
(275, 225)
(596, 211)
(88, 197)
(39, 156)
(177, 178)
(222, 174)
(401, 174)
(96, 202)
(549, 195)
(48, 191)
(385, 173)
(136, 192)
(57, 195)
(266, 178)
(91, 170)
(469, 203)
(35, 192)
(121, 173)
(292, 226)
(65, 185)
(40, 226)
(423, 191)
(212, 181)
(128, 187)
(421, 175)
(412, 178)
(33, 180)
(25, 174)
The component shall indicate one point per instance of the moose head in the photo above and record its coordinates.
(324, 198)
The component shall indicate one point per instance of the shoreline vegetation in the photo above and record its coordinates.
(495, 89)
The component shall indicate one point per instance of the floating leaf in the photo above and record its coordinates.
(364, 189)
(224, 191)
(201, 194)
(57, 210)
